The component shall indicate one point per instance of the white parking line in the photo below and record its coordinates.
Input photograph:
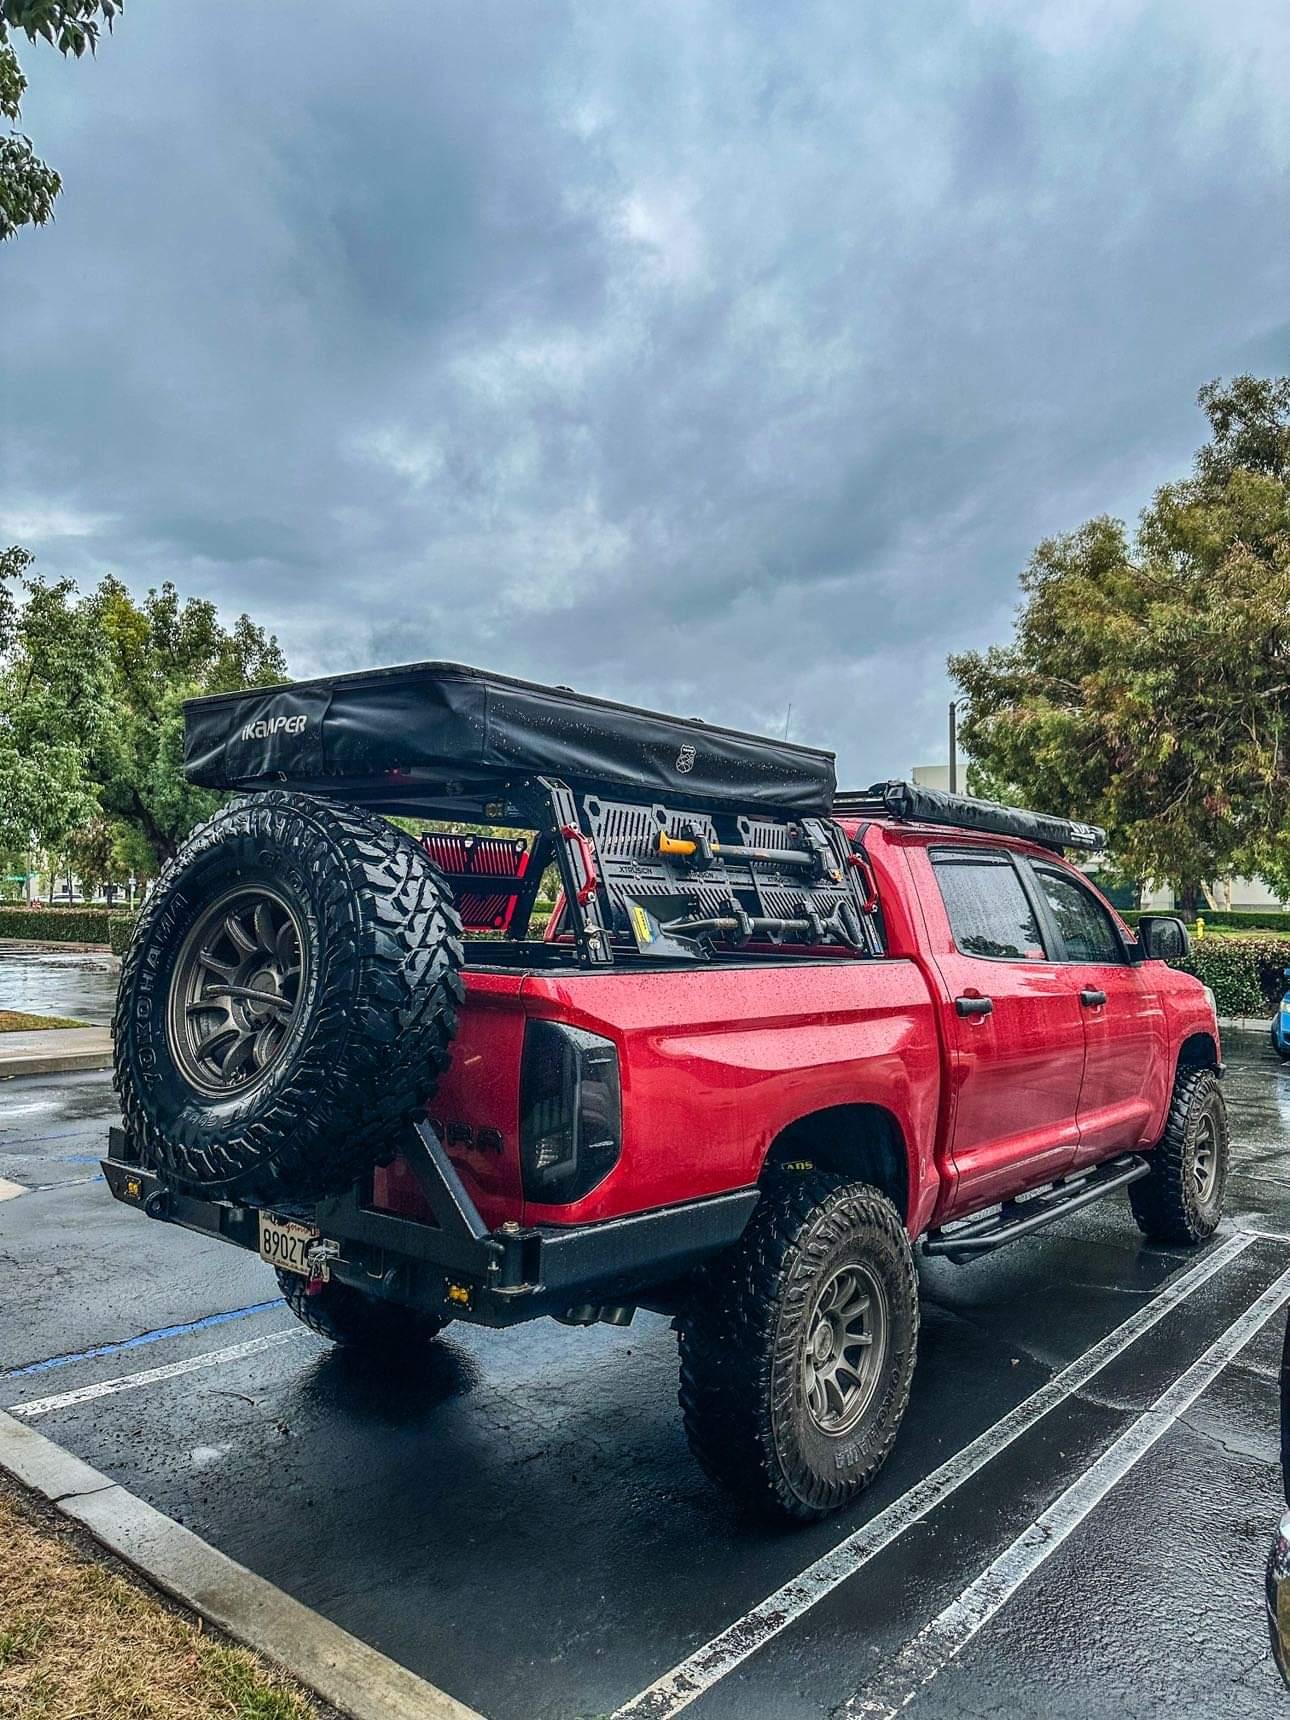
(932, 1649)
(688, 1680)
(150, 1376)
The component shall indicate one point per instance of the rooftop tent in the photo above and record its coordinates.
(447, 733)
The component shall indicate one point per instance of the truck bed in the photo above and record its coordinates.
(706, 1064)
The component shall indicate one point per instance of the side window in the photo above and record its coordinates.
(1086, 928)
(990, 914)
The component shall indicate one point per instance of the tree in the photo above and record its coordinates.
(28, 186)
(1147, 686)
(93, 854)
(160, 653)
(49, 678)
(91, 708)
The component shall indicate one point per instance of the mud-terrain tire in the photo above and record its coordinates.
(758, 1417)
(288, 999)
(1181, 1199)
(345, 1316)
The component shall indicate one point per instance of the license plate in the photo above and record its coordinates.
(286, 1244)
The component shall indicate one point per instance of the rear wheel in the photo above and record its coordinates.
(347, 1317)
(798, 1347)
(1181, 1199)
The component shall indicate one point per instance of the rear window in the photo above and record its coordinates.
(989, 912)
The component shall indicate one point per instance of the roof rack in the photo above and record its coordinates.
(913, 803)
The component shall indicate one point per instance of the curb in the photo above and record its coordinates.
(356, 1679)
(53, 1051)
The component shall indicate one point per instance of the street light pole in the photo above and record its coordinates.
(954, 746)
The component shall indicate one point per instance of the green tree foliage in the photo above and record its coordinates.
(46, 671)
(158, 654)
(28, 186)
(91, 709)
(94, 853)
(1147, 686)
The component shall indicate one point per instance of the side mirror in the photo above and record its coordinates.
(1162, 938)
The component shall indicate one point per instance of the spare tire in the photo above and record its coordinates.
(288, 999)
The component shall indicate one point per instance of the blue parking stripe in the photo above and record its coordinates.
(143, 1338)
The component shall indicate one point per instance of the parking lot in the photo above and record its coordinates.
(1074, 1520)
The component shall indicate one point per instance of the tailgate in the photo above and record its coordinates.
(475, 1109)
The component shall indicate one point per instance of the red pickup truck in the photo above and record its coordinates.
(773, 1041)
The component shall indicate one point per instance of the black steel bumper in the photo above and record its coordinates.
(456, 1265)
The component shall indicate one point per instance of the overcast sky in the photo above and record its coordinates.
(715, 356)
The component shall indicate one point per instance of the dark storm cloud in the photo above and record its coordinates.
(718, 356)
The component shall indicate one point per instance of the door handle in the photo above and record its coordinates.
(974, 1005)
(1090, 998)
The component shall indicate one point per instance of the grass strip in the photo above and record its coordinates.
(18, 1021)
(80, 1638)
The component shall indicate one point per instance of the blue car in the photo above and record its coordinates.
(1281, 1025)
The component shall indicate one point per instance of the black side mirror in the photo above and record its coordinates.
(1162, 938)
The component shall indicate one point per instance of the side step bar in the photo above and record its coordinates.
(975, 1236)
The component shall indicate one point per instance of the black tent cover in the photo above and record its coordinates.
(428, 729)
(913, 803)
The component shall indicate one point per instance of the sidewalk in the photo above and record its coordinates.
(53, 1050)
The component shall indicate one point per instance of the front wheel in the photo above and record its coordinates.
(346, 1317)
(1181, 1198)
(798, 1347)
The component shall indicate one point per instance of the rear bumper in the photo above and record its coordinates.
(457, 1266)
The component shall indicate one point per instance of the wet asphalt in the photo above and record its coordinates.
(518, 1518)
(76, 985)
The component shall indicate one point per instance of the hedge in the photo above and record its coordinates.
(1246, 919)
(1224, 919)
(119, 928)
(55, 925)
(1246, 975)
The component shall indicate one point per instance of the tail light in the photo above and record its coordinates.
(571, 1114)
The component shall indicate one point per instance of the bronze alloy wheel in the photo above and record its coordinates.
(1205, 1157)
(236, 990)
(845, 1351)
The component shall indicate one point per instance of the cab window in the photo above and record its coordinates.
(1085, 927)
(989, 911)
